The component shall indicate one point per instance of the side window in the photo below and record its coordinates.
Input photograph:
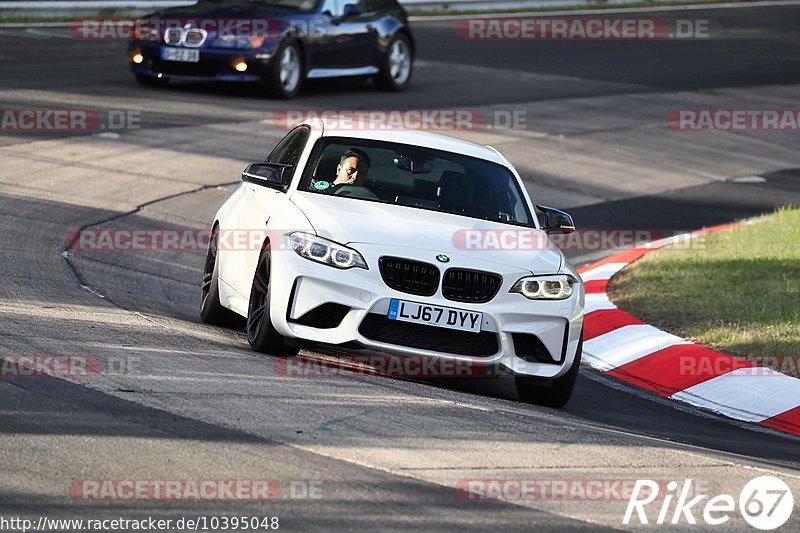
(290, 149)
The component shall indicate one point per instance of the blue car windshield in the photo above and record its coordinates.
(414, 176)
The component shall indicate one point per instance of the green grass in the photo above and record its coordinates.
(737, 291)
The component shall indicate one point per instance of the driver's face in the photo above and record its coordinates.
(352, 172)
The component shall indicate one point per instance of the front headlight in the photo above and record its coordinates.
(233, 41)
(326, 252)
(558, 287)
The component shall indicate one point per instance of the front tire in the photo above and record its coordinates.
(261, 334)
(558, 393)
(211, 310)
(397, 67)
(286, 76)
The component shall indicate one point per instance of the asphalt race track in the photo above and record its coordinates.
(177, 399)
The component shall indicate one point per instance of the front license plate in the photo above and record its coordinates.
(433, 315)
(180, 54)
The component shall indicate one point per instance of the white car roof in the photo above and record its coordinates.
(422, 138)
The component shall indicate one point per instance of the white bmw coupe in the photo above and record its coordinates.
(397, 242)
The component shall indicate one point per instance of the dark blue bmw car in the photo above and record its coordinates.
(279, 43)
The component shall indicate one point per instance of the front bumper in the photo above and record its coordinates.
(216, 64)
(299, 286)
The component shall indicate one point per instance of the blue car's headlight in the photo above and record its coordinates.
(558, 287)
(326, 252)
(234, 41)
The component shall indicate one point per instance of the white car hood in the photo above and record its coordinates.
(351, 221)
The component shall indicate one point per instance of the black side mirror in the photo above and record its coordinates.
(556, 221)
(349, 11)
(272, 175)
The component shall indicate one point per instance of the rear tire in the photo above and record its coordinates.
(287, 74)
(397, 65)
(211, 310)
(530, 389)
(261, 334)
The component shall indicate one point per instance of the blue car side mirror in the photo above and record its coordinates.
(351, 10)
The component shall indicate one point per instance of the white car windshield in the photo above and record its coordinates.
(413, 176)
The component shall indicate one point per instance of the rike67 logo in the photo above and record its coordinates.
(766, 503)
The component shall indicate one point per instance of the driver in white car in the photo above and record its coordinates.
(352, 170)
